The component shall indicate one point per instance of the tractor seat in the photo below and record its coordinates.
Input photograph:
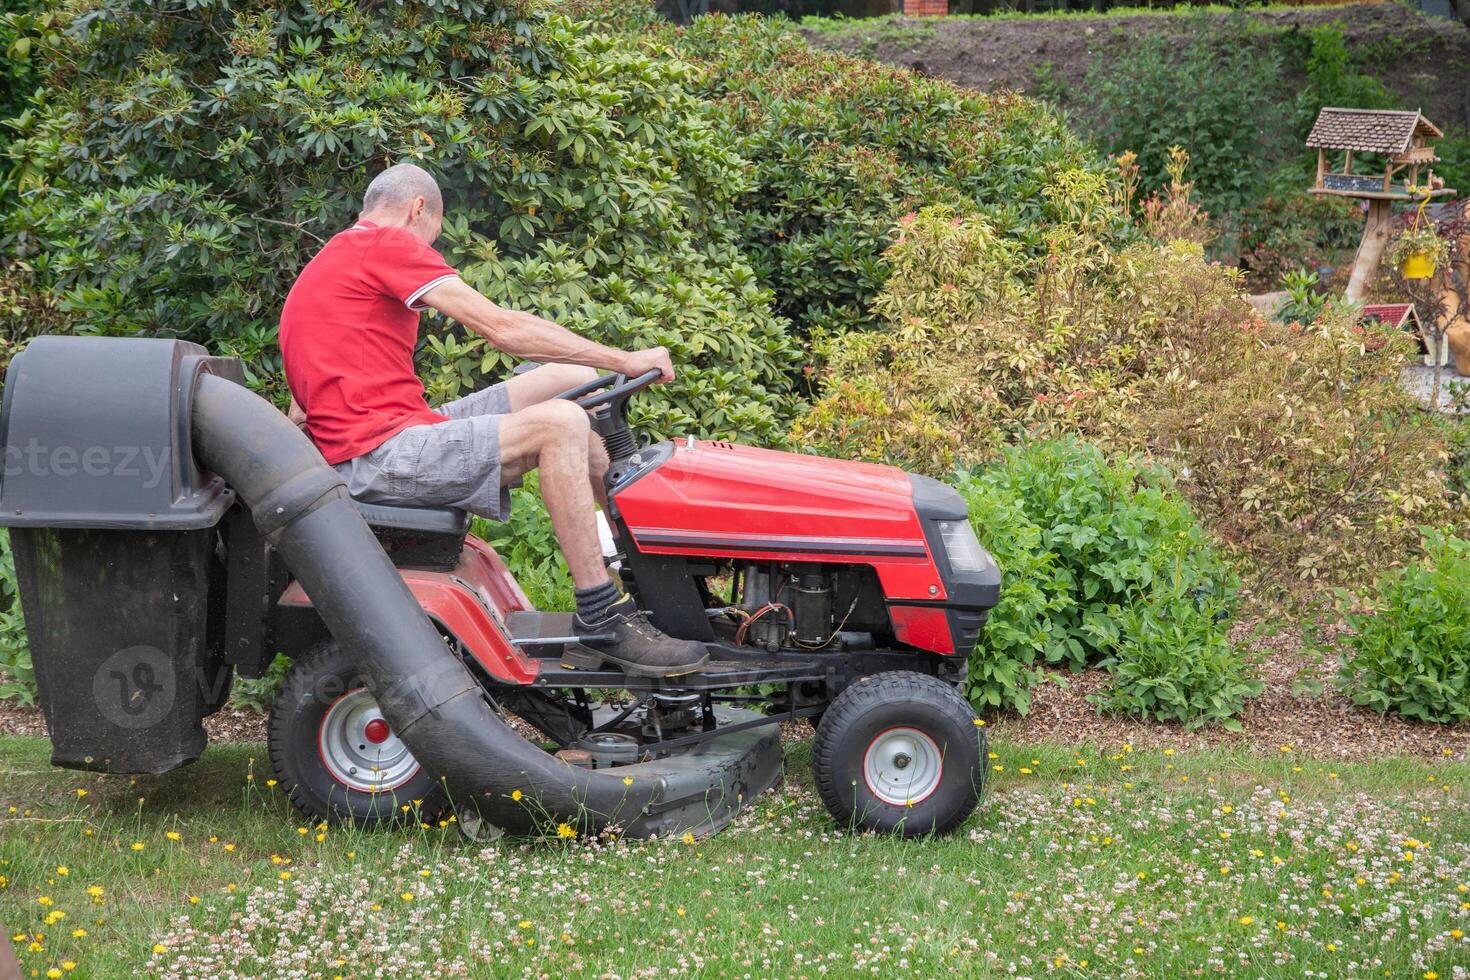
(418, 537)
(425, 520)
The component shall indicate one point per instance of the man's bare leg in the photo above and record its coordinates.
(552, 437)
(546, 382)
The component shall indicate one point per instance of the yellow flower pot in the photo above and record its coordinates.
(1419, 265)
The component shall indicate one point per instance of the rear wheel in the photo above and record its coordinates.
(335, 753)
(899, 752)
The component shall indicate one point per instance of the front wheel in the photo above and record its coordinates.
(334, 752)
(899, 752)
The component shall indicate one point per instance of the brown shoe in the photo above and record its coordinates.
(638, 646)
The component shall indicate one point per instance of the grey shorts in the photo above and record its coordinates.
(447, 464)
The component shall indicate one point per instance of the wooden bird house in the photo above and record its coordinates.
(1401, 138)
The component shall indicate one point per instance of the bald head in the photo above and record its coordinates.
(406, 196)
(397, 186)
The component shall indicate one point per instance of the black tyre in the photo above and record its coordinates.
(899, 752)
(334, 753)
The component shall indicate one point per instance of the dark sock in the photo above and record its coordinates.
(592, 603)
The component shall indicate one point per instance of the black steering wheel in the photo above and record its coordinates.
(622, 387)
(610, 409)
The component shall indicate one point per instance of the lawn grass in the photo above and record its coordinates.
(1081, 864)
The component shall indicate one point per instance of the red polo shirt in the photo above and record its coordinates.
(347, 335)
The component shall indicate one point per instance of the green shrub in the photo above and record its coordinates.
(1021, 631)
(1216, 97)
(186, 166)
(17, 679)
(1296, 446)
(1120, 535)
(1174, 662)
(1409, 650)
(1102, 563)
(839, 147)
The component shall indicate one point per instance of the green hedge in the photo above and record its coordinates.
(192, 155)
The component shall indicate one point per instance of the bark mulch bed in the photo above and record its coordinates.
(1326, 724)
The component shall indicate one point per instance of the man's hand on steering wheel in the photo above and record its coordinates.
(654, 358)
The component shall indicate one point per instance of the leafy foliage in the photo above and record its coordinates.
(1296, 445)
(17, 679)
(190, 158)
(1216, 97)
(1103, 563)
(1409, 650)
(840, 147)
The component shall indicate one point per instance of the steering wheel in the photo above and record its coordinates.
(622, 388)
(610, 420)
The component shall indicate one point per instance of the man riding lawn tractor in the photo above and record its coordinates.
(348, 331)
(422, 679)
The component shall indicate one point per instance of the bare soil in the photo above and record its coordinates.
(1424, 61)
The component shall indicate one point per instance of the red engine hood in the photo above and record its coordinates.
(726, 499)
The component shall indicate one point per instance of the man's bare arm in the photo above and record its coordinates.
(529, 336)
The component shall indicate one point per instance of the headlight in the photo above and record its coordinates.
(962, 547)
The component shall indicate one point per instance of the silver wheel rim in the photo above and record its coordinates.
(903, 766)
(354, 759)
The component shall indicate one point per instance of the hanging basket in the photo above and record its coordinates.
(1419, 265)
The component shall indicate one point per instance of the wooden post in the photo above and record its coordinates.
(1321, 167)
(1370, 250)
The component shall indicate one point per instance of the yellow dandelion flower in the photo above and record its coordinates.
(81, 793)
(524, 923)
(627, 780)
(45, 900)
(1227, 808)
(231, 887)
(679, 911)
(1025, 771)
(160, 948)
(424, 872)
(229, 848)
(1245, 920)
(516, 795)
(270, 782)
(63, 870)
(406, 896)
(79, 933)
(193, 899)
(285, 876)
(137, 845)
(999, 768)
(688, 838)
(320, 838)
(303, 831)
(68, 965)
(1456, 934)
(1168, 751)
(979, 722)
(1332, 947)
(53, 973)
(565, 830)
(1280, 925)
(1430, 975)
